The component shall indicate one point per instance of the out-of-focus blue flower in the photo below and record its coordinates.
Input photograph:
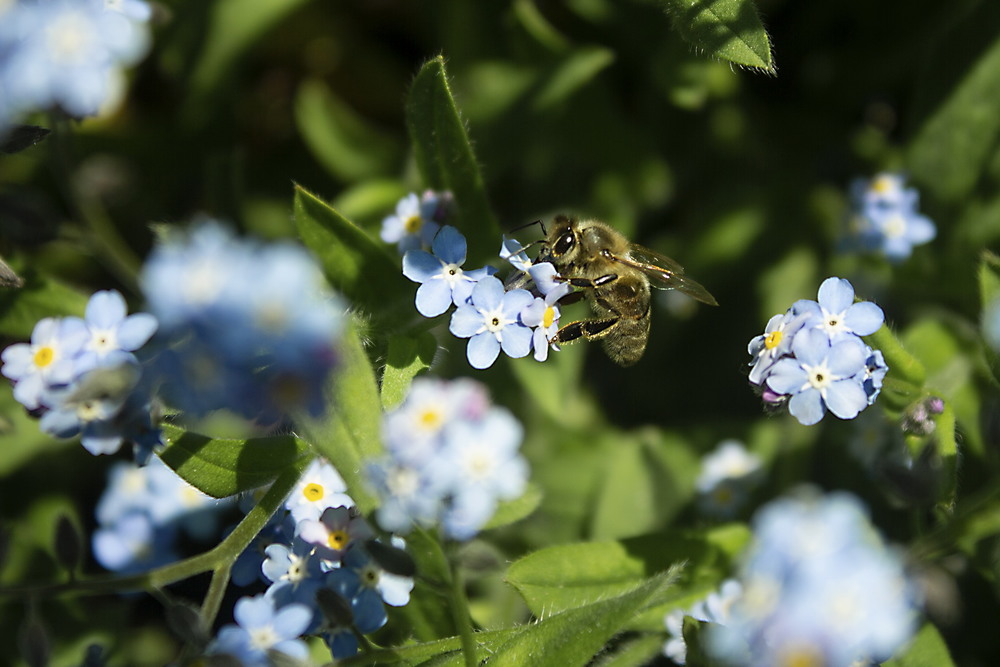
(884, 217)
(65, 54)
(812, 358)
(245, 326)
(482, 460)
(248, 568)
(137, 10)
(360, 580)
(48, 361)
(414, 223)
(728, 475)
(819, 587)
(297, 573)
(341, 642)
(451, 457)
(320, 487)
(837, 314)
(442, 280)
(491, 322)
(821, 376)
(262, 627)
(143, 509)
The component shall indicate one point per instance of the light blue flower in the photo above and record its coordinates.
(50, 359)
(837, 315)
(409, 495)
(822, 375)
(728, 475)
(261, 627)
(413, 224)
(874, 375)
(137, 10)
(542, 315)
(334, 532)
(512, 250)
(819, 587)
(774, 343)
(884, 217)
(491, 322)
(319, 488)
(112, 329)
(133, 543)
(442, 280)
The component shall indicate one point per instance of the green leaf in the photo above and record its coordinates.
(20, 438)
(726, 29)
(340, 139)
(570, 575)
(406, 358)
(232, 27)
(223, 467)
(905, 380)
(355, 264)
(927, 650)
(955, 144)
(578, 634)
(440, 652)
(571, 74)
(350, 431)
(989, 295)
(20, 309)
(445, 158)
(512, 511)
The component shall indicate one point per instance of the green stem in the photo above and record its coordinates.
(219, 559)
(216, 590)
(460, 610)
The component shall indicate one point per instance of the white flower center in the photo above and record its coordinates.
(103, 341)
(479, 463)
(819, 376)
(494, 321)
(895, 226)
(833, 323)
(263, 638)
(69, 38)
(403, 482)
(452, 274)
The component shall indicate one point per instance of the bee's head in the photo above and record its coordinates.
(563, 240)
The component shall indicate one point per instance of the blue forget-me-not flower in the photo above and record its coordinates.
(443, 282)
(884, 217)
(491, 321)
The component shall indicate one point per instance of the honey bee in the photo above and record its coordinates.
(615, 275)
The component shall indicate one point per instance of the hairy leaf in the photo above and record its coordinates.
(726, 29)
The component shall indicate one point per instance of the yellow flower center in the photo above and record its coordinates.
(413, 224)
(430, 419)
(44, 356)
(883, 185)
(338, 540)
(549, 317)
(773, 339)
(313, 492)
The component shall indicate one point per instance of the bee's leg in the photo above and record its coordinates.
(588, 282)
(589, 329)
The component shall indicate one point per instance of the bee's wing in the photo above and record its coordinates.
(665, 273)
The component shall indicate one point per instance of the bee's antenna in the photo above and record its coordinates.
(525, 226)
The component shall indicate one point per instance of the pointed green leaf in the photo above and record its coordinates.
(361, 268)
(570, 575)
(956, 143)
(445, 158)
(350, 431)
(927, 650)
(339, 138)
(21, 308)
(726, 29)
(512, 511)
(577, 635)
(224, 467)
(407, 356)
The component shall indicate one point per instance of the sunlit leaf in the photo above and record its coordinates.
(514, 510)
(926, 650)
(356, 265)
(341, 139)
(406, 358)
(20, 309)
(445, 157)
(726, 29)
(224, 467)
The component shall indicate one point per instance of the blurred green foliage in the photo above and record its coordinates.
(726, 147)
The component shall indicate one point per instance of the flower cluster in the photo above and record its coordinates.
(416, 220)
(245, 326)
(82, 377)
(318, 558)
(716, 608)
(884, 217)
(142, 513)
(728, 475)
(819, 588)
(66, 54)
(812, 357)
(494, 317)
(452, 457)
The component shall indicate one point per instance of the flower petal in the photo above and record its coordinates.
(136, 330)
(488, 293)
(449, 245)
(864, 318)
(420, 266)
(807, 407)
(836, 295)
(483, 350)
(433, 298)
(466, 321)
(846, 398)
(516, 340)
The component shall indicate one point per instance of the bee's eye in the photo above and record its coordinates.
(563, 244)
